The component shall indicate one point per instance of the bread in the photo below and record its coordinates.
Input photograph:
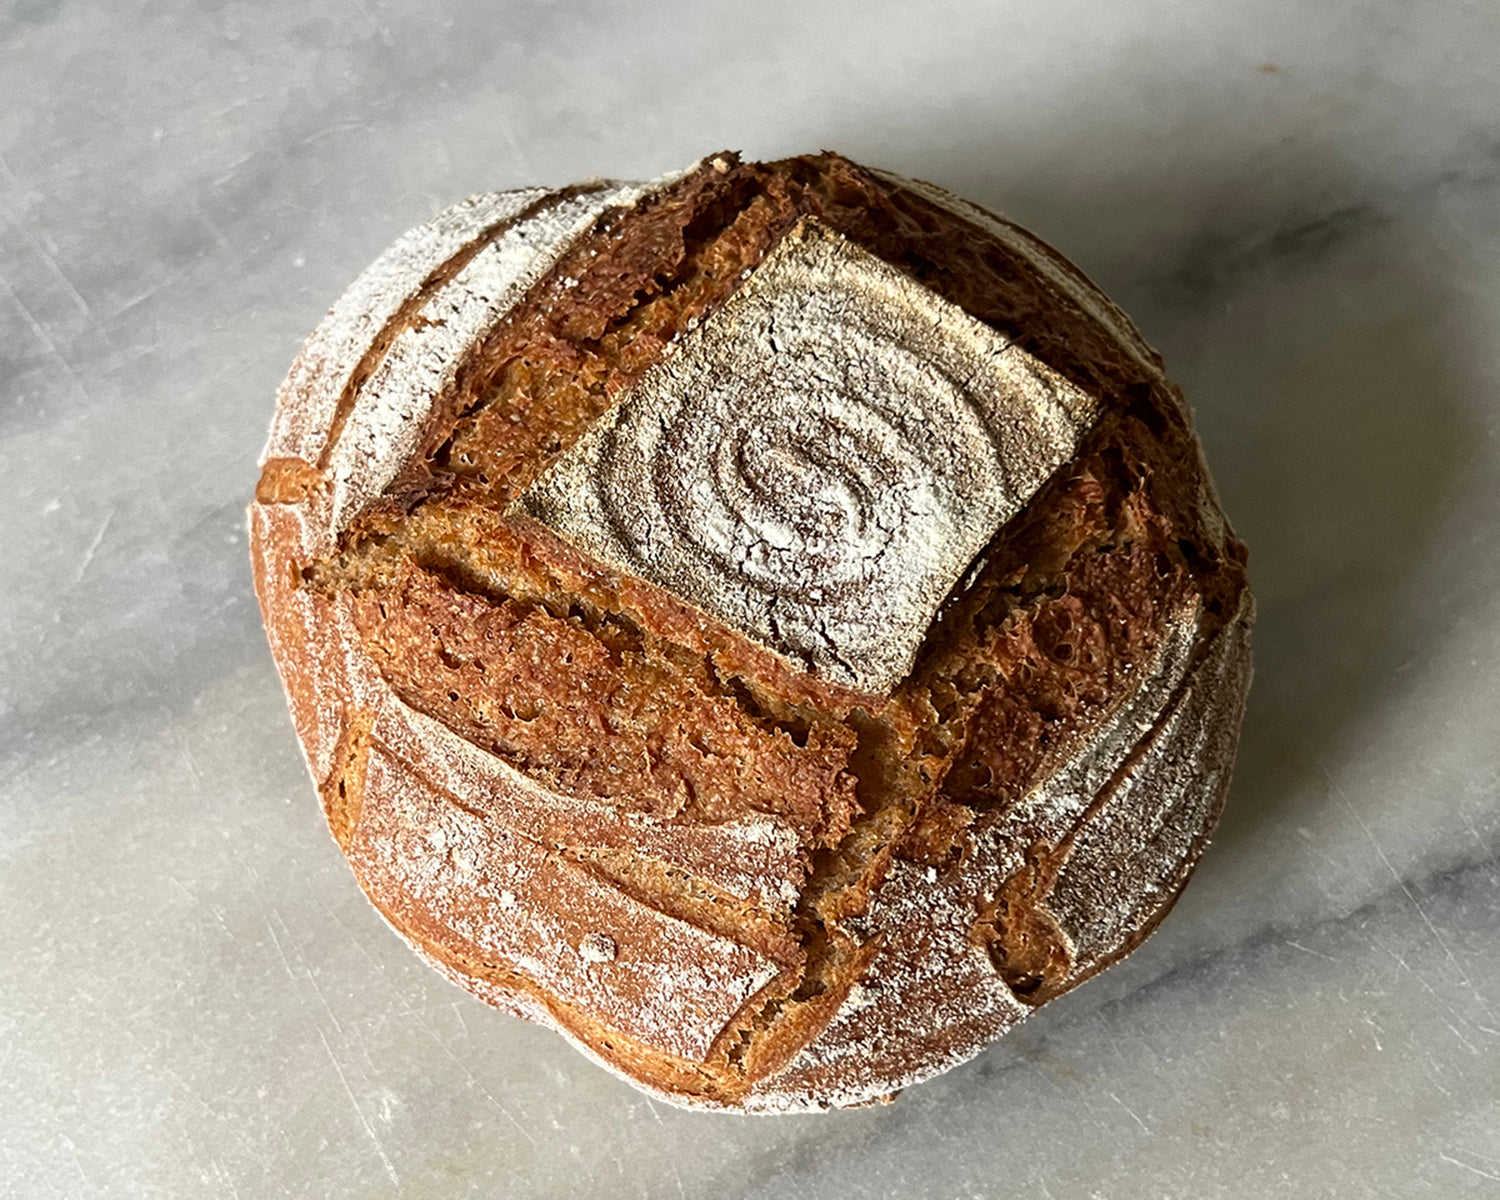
(772, 625)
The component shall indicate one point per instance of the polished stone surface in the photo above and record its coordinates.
(1299, 203)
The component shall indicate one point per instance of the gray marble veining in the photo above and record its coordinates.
(1299, 204)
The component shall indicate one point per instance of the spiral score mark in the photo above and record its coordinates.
(812, 495)
(818, 463)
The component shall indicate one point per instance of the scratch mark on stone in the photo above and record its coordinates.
(1401, 883)
(330, 131)
(671, 1161)
(285, 961)
(382, 30)
(390, 1167)
(222, 1174)
(1308, 950)
(46, 255)
(72, 1148)
(39, 331)
(1468, 1045)
(1131, 1112)
(1468, 1166)
(212, 226)
(1133, 1115)
(229, 172)
(141, 297)
(312, 978)
(88, 555)
(515, 146)
(483, 1091)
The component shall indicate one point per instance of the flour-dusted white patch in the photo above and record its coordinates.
(862, 996)
(465, 862)
(321, 374)
(1143, 844)
(598, 948)
(819, 462)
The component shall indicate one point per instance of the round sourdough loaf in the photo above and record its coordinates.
(772, 624)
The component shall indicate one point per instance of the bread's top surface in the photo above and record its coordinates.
(668, 674)
(818, 462)
(496, 498)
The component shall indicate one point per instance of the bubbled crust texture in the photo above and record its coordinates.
(1016, 816)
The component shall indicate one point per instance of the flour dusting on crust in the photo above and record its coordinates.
(1069, 281)
(310, 396)
(447, 838)
(1063, 275)
(505, 885)
(931, 998)
(488, 895)
(818, 463)
(391, 410)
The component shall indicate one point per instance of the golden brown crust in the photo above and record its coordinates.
(741, 884)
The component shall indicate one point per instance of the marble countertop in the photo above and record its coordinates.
(1299, 205)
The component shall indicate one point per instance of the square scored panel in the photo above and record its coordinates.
(818, 463)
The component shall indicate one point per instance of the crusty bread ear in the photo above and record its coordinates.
(772, 625)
